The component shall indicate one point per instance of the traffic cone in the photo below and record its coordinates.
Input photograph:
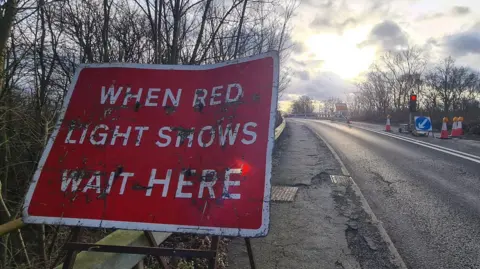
(459, 126)
(387, 126)
(444, 132)
(453, 133)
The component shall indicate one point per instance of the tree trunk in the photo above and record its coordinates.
(280, 43)
(159, 33)
(200, 34)
(106, 19)
(157, 28)
(237, 41)
(41, 86)
(176, 32)
(6, 22)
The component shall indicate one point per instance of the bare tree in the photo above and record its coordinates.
(329, 104)
(445, 87)
(375, 88)
(402, 70)
(441, 80)
(303, 105)
(43, 41)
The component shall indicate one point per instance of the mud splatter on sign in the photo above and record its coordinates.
(162, 148)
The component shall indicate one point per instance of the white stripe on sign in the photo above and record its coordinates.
(453, 152)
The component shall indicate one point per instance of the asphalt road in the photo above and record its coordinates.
(428, 200)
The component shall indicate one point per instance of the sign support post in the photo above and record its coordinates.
(250, 253)
(75, 233)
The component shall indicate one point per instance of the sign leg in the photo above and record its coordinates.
(71, 253)
(212, 262)
(250, 253)
(152, 243)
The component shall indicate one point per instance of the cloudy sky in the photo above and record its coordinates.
(337, 40)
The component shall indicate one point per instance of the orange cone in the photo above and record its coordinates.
(444, 132)
(459, 126)
(454, 131)
(387, 126)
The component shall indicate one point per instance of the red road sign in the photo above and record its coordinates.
(340, 107)
(162, 148)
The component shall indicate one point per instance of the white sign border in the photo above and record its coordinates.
(98, 223)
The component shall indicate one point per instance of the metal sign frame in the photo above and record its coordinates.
(72, 247)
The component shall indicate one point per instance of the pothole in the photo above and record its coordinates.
(320, 177)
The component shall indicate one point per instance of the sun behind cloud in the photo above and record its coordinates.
(341, 53)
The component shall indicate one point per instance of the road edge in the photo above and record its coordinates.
(397, 259)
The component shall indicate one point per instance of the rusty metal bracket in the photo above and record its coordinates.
(154, 251)
(73, 247)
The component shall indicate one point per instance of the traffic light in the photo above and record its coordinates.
(413, 103)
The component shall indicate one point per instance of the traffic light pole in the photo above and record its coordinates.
(412, 108)
(410, 127)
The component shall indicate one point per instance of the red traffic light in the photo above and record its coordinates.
(413, 97)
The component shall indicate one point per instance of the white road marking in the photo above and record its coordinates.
(460, 154)
(422, 142)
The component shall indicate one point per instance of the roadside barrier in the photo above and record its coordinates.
(279, 129)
